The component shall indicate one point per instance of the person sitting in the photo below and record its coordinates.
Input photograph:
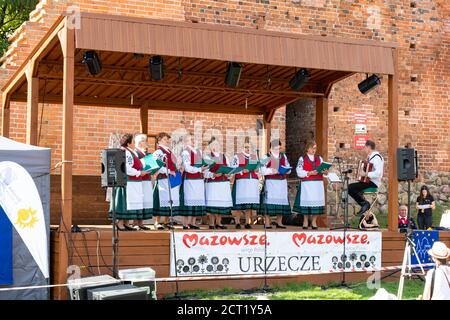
(368, 221)
(437, 281)
(403, 219)
(355, 190)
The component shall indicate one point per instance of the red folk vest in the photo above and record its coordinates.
(170, 160)
(220, 160)
(243, 161)
(308, 165)
(275, 163)
(195, 158)
(136, 165)
(140, 156)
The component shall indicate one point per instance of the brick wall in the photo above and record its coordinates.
(421, 29)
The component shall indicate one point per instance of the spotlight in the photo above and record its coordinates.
(233, 74)
(92, 62)
(369, 84)
(299, 80)
(156, 67)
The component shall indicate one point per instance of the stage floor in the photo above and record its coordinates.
(91, 250)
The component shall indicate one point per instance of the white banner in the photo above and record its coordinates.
(232, 253)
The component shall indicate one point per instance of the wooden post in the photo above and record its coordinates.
(322, 144)
(32, 104)
(267, 126)
(5, 115)
(392, 145)
(144, 118)
(67, 40)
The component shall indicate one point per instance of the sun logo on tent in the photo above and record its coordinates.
(26, 218)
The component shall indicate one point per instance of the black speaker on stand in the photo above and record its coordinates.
(114, 175)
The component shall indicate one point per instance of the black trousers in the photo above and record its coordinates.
(424, 221)
(354, 191)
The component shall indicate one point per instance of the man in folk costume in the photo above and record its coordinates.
(310, 199)
(275, 200)
(130, 200)
(193, 186)
(245, 193)
(147, 184)
(217, 187)
(161, 196)
(355, 189)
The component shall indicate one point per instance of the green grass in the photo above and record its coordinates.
(307, 291)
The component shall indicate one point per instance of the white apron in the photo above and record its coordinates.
(247, 191)
(277, 192)
(147, 190)
(312, 194)
(218, 194)
(135, 197)
(194, 192)
(163, 189)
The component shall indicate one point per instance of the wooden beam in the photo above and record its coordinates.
(32, 104)
(144, 118)
(267, 126)
(5, 114)
(143, 71)
(67, 39)
(322, 143)
(322, 127)
(392, 145)
(199, 87)
(153, 104)
(38, 53)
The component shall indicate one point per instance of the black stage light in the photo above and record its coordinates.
(233, 74)
(156, 67)
(92, 62)
(299, 80)
(369, 84)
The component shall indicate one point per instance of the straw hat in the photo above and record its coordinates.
(439, 250)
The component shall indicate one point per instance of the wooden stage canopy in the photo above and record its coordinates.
(196, 56)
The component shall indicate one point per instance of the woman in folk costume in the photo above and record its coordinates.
(275, 201)
(245, 194)
(193, 186)
(161, 196)
(217, 186)
(129, 201)
(310, 199)
(147, 184)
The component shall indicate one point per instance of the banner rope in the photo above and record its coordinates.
(230, 277)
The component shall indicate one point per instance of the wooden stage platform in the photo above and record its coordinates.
(92, 251)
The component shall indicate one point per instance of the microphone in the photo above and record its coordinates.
(337, 158)
(349, 170)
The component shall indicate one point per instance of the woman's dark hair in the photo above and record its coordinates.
(424, 187)
(161, 135)
(275, 143)
(126, 139)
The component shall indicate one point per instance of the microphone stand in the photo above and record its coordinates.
(263, 203)
(346, 224)
(166, 164)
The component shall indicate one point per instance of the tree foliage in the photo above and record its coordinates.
(12, 14)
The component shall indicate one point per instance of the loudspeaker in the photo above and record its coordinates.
(92, 62)
(113, 168)
(156, 67)
(299, 80)
(233, 75)
(406, 164)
